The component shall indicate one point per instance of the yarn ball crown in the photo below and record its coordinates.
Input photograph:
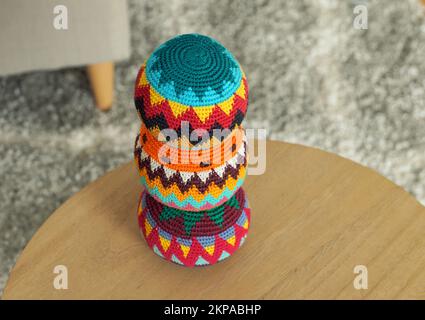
(194, 70)
(191, 78)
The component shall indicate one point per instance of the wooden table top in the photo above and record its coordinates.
(315, 216)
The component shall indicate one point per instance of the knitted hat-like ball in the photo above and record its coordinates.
(194, 238)
(186, 189)
(191, 78)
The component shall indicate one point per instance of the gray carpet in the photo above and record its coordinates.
(314, 80)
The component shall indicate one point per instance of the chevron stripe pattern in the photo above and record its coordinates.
(194, 250)
(190, 189)
(159, 113)
(191, 152)
(184, 224)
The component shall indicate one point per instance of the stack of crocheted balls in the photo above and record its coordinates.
(191, 151)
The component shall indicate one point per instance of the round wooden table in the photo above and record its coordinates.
(316, 216)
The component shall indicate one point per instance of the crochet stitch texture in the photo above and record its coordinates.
(193, 210)
(191, 78)
(193, 70)
(191, 190)
(197, 250)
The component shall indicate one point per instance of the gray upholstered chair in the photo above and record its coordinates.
(32, 37)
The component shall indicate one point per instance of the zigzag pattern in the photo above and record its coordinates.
(195, 251)
(201, 182)
(156, 111)
(188, 224)
(162, 116)
(186, 180)
(193, 200)
(159, 123)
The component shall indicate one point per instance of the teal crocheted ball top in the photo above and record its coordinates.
(194, 70)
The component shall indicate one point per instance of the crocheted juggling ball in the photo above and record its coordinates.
(191, 78)
(191, 151)
(193, 190)
(194, 239)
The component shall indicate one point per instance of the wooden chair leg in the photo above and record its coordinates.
(101, 76)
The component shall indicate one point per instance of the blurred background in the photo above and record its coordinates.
(314, 79)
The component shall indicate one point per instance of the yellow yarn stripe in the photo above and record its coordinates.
(212, 189)
(203, 112)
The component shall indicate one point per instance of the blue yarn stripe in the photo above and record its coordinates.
(209, 199)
